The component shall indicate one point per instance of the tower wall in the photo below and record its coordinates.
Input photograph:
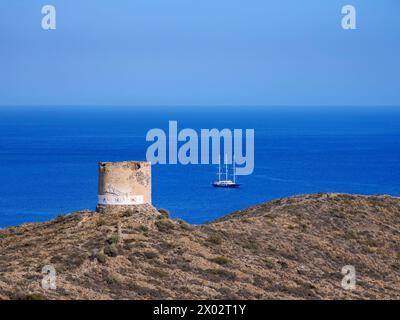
(123, 184)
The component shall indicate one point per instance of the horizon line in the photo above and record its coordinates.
(195, 106)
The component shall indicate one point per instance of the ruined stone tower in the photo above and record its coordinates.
(123, 185)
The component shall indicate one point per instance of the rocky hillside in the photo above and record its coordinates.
(290, 248)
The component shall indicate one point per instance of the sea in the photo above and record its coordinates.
(49, 156)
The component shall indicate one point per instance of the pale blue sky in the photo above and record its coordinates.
(200, 52)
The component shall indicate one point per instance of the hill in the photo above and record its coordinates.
(291, 248)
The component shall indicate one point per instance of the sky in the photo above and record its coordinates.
(200, 53)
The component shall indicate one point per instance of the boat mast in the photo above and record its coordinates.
(219, 168)
(226, 167)
(234, 170)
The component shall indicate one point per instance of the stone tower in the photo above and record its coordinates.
(123, 185)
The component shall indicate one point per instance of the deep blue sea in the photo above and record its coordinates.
(49, 156)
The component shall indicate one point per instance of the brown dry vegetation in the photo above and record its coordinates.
(290, 248)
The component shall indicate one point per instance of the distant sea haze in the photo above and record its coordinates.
(49, 156)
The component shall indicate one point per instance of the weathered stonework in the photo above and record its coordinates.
(123, 185)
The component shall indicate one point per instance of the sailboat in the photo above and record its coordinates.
(227, 183)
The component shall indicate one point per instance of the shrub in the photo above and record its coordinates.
(150, 254)
(164, 213)
(60, 218)
(158, 293)
(219, 274)
(184, 225)
(111, 250)
(165, 246)
(214, 239)
(34, 296)
(164, 225)
(128, 213)
(227, 294)
(156, 272)
(101, 257)
(71, 260)
(303, 226)
(111, 280)
(220, 260)
(269, 263)
(258, 281)
(57, 259)
(100, 222)
(250, 245)
(143, 228)
(351, 234)
(75, 259)
(113, 239)
(396, 266)
(283, 264)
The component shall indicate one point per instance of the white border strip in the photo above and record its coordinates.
(120, 200)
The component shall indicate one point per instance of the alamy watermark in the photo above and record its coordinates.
(49, 19)
(349, 279)
(49, 278)
(349, 21)
(202, 148)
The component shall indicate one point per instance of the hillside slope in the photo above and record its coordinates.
(292, 248)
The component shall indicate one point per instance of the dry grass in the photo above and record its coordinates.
(288, 248)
